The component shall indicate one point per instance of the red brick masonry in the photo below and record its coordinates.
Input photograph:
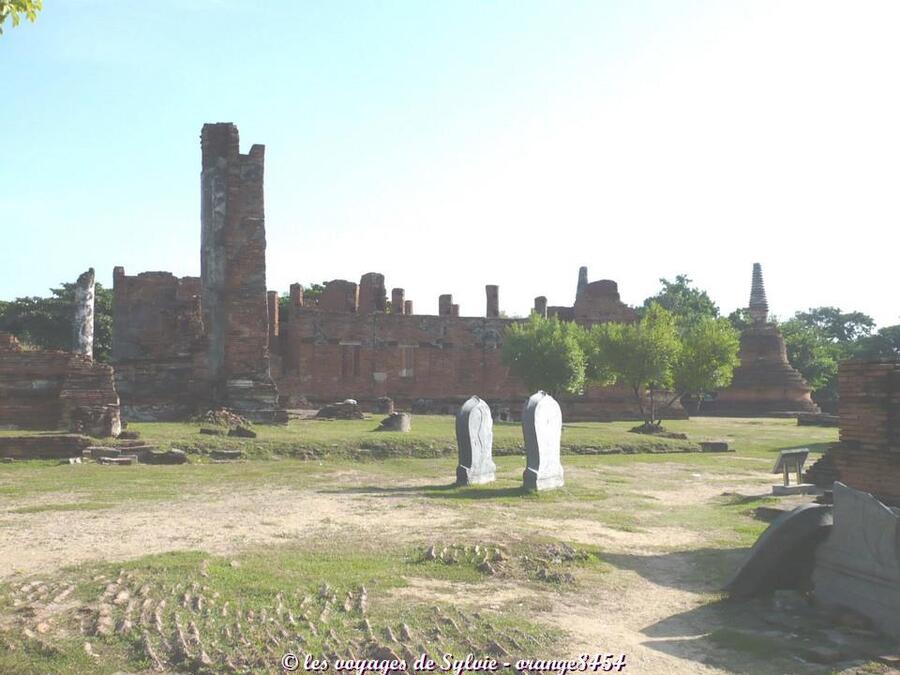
(50, 389)
(868, 455)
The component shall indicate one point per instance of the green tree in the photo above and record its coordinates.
(687, 303)
(837, 326)
(708, 357)
(47, 322)
(885, 344)
(812, 353)
(16, 9)
(546, 354)
(313, 292)
(640, 355)
(818, 340)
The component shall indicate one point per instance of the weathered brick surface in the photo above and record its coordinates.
(492, 300)
(51, 389)
(397, 301)
(372, 295)
(339, 296)
(868, 456)
(599, 301)
(233, 262)
(870, 404)
(158, 345)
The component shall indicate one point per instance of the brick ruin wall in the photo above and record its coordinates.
(52, 389)
(159, 345)
(868, 455)
(347, 346)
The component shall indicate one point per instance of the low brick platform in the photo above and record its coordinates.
(44, 446)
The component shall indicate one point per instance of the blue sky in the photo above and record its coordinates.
(455, 144)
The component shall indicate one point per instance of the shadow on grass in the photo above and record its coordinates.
(444, 491)
(774, 634)
(736, 499)
(702, 570)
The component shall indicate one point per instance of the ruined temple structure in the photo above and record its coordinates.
(868, 455)
(347, 344)
(181, 344)
(55, 389)
(184, 344)
(764, 383)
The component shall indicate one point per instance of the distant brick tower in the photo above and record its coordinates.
(764, 383)
(233, 273)
(759, 308)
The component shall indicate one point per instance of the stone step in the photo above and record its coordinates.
(122, 460)
(167, 457)
(97, 451)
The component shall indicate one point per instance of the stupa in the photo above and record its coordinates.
(764, 383)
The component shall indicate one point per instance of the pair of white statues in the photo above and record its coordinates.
(541, 427)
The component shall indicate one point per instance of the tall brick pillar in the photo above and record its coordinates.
(296, 295)
(397, 302)
(372, 295)
(233, 273)
(493, 301)
(582, 280)
(540, 306)
(445, 303)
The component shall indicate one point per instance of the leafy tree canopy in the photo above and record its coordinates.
(811, 352)
(740, 319)
(639, 355)
(687, 303)
(16, 9)
(885, 344)
(546, 354)
(658, 357)
(709, 355)
(837, 326)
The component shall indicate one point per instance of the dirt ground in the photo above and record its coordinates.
(612, 617)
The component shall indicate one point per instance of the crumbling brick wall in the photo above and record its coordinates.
(868, 455)
(333, 350)
(53, 389)
(158, 344)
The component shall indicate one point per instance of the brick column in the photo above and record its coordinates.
(297, 295)
(493, 301)
(397, 301)
(445, 302)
